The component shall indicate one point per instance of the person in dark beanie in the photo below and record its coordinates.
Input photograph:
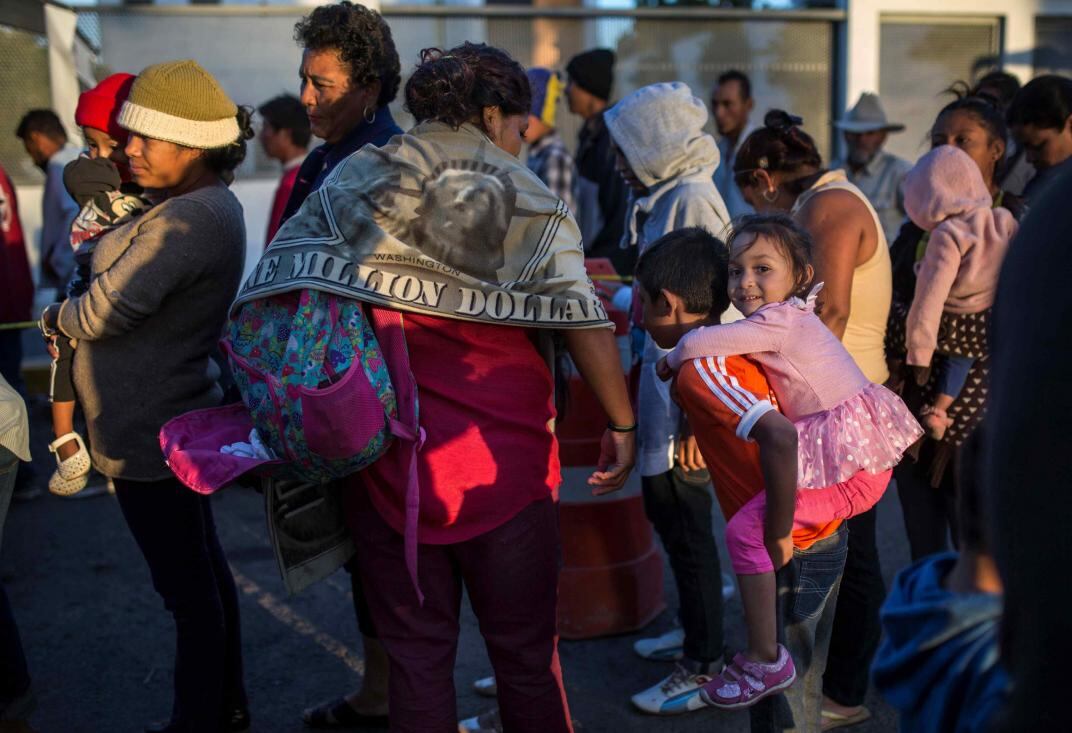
(284, 137)
(591, 77)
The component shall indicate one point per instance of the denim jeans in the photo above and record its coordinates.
(679, 506)
(176, 533)
(807, 601)
(14, 675)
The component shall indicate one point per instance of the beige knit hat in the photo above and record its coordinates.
(180, 102)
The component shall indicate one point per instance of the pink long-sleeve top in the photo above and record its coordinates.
(945, 195)
(805, 363)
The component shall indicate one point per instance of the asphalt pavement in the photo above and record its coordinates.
(100, 644)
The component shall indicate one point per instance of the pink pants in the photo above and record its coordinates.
(815, 507)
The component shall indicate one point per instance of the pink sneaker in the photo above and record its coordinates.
(743, 682)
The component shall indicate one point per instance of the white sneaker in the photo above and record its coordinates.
(670, 647)
(486, 687)
(488, 722)
(678, 693)
(729, 586)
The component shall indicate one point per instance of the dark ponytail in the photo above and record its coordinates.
(223, 161)
(985, 109)
(780, 146)
(455, 86)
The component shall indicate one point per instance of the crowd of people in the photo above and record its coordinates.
(805, 335)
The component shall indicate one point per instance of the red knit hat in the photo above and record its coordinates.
(99, 107)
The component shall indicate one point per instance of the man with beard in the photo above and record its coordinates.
(875, 172)
(731, 105)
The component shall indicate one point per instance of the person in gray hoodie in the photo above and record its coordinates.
(669, 163)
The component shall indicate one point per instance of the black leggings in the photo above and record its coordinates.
(61, 388)
(929, 512)
(857, 630)
(176, 533)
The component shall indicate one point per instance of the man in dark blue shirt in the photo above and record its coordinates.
(350, 72)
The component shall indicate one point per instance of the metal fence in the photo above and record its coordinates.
(788, 55)
(24, 86)
(920, 57)
(791, 56)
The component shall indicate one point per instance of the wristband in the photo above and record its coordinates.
(621, 428)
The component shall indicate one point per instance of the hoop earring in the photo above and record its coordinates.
(369, 118)
(770, 196)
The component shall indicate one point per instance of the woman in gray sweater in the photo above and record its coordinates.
(161, 286)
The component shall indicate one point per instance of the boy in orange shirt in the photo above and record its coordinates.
(749, 447)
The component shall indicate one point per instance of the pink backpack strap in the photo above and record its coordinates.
(388, 327)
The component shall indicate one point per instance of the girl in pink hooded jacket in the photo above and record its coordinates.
(966, 241)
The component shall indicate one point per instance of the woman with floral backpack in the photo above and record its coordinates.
(450, 242)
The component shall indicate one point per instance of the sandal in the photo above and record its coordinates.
(72, 473)
(339, 714)
(832, 720)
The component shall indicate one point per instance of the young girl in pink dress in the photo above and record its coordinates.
(851, 432)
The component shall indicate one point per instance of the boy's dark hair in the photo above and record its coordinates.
(780, 146)
(1045, 101)
(363, 40)
(43, 121)
(286, 112)
(741, 78)
(1005, 84)
(690, 263)
(454, 86)
(971, 522)
(792, 240)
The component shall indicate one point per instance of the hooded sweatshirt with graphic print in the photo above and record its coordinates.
(946, 196)
(659, 129)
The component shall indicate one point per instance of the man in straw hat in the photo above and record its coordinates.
(875, 172)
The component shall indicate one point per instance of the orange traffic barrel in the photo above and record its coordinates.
(612, 573)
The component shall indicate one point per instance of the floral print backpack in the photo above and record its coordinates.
(312, 368)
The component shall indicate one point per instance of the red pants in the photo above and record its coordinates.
(511, 575)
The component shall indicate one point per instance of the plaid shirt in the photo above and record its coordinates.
(551, 162)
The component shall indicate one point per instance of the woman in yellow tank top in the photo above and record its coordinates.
(781, 170)
(778, 168)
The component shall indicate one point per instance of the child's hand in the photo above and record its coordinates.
(617, 454)
(663, 370)
(780, 550)
(50, 347)
(688, 454)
